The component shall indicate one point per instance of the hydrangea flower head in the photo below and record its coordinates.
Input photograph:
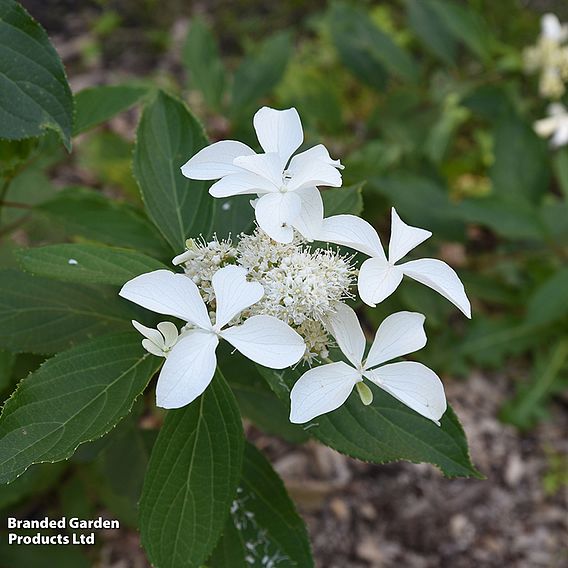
(286, 185)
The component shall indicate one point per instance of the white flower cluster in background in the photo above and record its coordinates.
(549, 58)
(278, 298)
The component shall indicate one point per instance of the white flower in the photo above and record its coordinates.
(191, 362)
(555, 125)
(326, 388)
(159, 341)
(552, 29)
(379, 277)
(287, 188)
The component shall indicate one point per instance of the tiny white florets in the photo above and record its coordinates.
(301, 286)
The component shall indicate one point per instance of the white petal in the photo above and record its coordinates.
(399, 334)
(413, 384)
(346, 329)
(188, 369)
(153, 335)
(546, 127)
(279, 131)
(551, 27)
(276, 214)
(321, 390)
(216, 160)
(170, 333)
(233, 293)
(266, 340)
(440, 277)
(404, 237)
(377, 280)
(266, 166)
(352, 232)
(241, 184)
(314, 167)
(560, 137)
(310, 219)
(152, 348)
(170, 294)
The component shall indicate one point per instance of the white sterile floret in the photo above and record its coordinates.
(287, 186)
(325, 388)
(191, 362)
(379, 277)
(555, 126)
(202, 259)
(159, 341)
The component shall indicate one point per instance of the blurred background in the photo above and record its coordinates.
(429, 106)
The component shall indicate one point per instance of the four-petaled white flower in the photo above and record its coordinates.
(191, 362)
(159, 341)
(379, 277)
(554, 126)
(287, 188)
(327, 387)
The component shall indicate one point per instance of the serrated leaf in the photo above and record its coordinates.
(366, 50)
(168, 135)
(201, 57)
(96, 105)
(264, 528)
(89, 264)
(34, 94)
(192, 478)
(75, 397)
(90, 215)
(42, 316)
(260, 71)
(385, 431)
(343, 200)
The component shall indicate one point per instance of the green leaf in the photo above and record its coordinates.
(508, 217)
(260, 71)
(34, 94)
(168, 135)
(465, 25)
(7, 361)
(520, 169)
(366, 50)
(201, 57)
(192, 479)
(75, 397)
(428, 26)
(34, 481)
(549, 303)
(89, 264)
(256, 400)
(264, 528)
(88, 214)
(43, 316)
(385, 431)
(96, 105)
(560, 164)
(120, 469)
(343, 200)
(233, 216)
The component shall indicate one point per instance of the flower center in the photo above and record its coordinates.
(286, 177)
